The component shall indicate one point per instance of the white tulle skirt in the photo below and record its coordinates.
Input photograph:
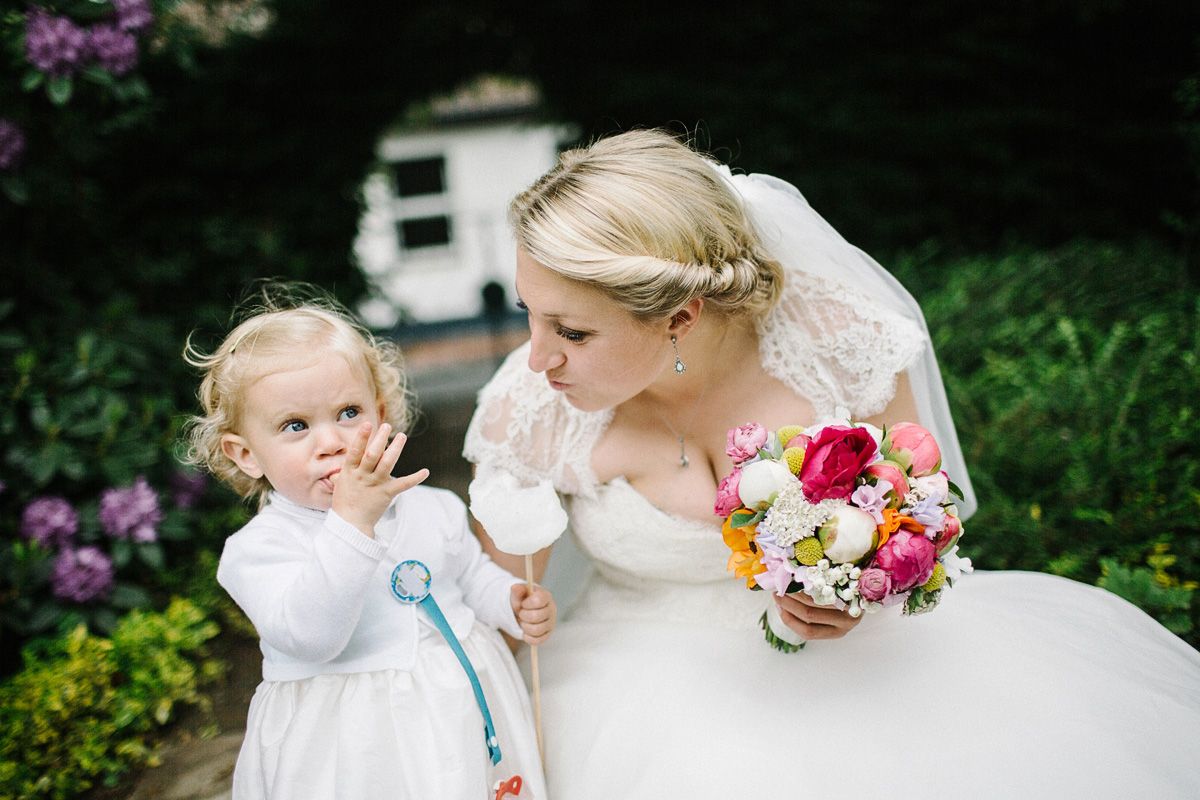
(1019, 685)
(392, 734)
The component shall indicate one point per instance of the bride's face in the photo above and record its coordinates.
(590, 349)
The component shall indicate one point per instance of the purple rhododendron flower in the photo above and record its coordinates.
(113, 49)
(12, 146)
(82, 575)
(131, 512)
(133, 15)
(53, 44)
(49, 521)
(187, 487)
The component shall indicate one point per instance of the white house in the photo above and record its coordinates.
(433, 231)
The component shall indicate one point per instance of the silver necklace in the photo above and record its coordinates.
(681, 437)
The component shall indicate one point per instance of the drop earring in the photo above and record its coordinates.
(679, 365)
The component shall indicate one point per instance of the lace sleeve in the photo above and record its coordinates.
(523, 428)
(838, 347)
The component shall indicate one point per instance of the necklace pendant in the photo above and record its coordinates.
(683, 460)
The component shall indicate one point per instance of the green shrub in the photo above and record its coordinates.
(77, 715)
(1073, 376)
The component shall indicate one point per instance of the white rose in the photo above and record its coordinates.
(847, 535)
(761, 481)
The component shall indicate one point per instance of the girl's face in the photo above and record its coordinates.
(298, 424)
(592, 350)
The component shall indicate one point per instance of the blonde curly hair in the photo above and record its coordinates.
(651, 222)
(282, 320)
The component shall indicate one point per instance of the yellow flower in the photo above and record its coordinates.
(809, 551)
(787, 432)
(794, 458)
(937, 580)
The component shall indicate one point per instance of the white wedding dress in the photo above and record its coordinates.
(657, 682)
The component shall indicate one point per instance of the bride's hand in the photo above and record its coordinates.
(802, 614)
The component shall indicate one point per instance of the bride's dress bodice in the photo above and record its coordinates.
(649, 564)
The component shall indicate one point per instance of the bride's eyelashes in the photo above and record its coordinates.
(570, 334)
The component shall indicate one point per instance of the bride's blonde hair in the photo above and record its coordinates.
(652, 223)
(280, 326)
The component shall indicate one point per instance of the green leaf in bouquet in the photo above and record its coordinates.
(741, 519)
(957, 492)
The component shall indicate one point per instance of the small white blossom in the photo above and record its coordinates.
(792, 518)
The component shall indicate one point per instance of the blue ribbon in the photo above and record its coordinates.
(422, 596)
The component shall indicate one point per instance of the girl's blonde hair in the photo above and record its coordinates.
(651, 222)
(278, 328)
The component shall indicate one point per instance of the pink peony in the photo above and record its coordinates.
(833, 461)
(893, 473)
(874, 584)
(908, 558)
(744, 441)
(914, 448)
(948, 535)
(727, 494)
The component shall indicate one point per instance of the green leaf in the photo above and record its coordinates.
(32, 80)
(45, 616)
(127, 596)
(955, 490)
(59, 90)
(104, 620)
(15, 189)
(741, 519)
(122, 553)
(152, 555)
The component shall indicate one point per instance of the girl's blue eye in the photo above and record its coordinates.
(350, 412)
(295, 426)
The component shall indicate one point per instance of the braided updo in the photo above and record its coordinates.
(651, 222)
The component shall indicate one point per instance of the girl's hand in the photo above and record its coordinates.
(535, 611)
(365, 487)
(802, 614)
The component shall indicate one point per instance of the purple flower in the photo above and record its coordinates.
(12, 144)
(133, 15)
(53, 44)
(49, 521)
(114, 49)
(82, 575)
(131, 512)
(187, 487)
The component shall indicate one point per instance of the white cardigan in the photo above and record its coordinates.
(318, 591)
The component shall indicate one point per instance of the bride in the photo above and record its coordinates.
(670, 300)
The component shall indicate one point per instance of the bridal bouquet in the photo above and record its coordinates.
(855, 517)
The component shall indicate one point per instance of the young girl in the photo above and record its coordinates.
(363, 696)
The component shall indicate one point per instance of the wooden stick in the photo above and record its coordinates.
(533, 664)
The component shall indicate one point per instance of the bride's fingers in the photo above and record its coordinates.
(813, 621)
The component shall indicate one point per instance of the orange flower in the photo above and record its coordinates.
(893, 521)
(746, 559)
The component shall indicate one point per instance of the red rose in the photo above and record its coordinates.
(834, 458)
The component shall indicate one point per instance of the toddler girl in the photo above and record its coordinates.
(363, 696)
